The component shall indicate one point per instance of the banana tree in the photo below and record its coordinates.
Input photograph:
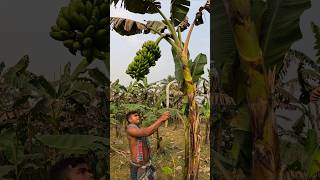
(187, 72)
(249, 45)
(308, 74)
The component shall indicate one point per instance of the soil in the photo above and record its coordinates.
(172, 158)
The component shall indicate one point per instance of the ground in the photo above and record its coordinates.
(173, 144)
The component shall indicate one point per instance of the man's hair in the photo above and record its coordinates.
(129, 114)
(58, 171)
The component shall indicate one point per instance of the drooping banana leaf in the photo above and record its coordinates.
(98, 76)
(84, 86)
(81, 67)
(127, 27)
(156, 25)
(44, 86)
(16, 70)
(179, 10)
(280, 29)
(224, 50)
(139, 6)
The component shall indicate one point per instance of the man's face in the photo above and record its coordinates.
(134, 118)
(79, 172)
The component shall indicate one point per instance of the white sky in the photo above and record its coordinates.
(123, 48)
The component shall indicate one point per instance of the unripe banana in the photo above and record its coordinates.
(87, 42)
(89, 32)
(77, 45)
(60, 36)
(68, 43)
(89, 8)
(62, 23)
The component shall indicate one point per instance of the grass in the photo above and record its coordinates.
(173, 157)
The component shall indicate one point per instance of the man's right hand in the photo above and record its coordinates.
(165, 116)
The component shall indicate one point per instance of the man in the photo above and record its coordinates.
(71, 169)
(140, 165)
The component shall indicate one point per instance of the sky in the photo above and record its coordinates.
(124, 48)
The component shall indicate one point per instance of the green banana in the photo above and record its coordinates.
(55, 28)
(68, 43)
(62, 23)
(103, 23)
(76, 45)
(104, 9)
(96, 13)
(101, 37)
(80, 7)
(60, 36)
(144, 59)
(87, 42)
(90, 30)
(89, 8)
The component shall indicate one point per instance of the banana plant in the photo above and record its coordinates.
(247, 51)
(187, 72)
(306, 83)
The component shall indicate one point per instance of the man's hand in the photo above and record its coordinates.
(165, 116)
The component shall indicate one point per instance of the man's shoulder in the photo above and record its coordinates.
(132, 126)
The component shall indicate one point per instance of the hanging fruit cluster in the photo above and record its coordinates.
(82, 26)
(144, 59)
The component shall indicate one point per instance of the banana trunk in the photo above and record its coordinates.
(265, 163)
(194, 141)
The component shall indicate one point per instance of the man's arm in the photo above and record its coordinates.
(140, 132)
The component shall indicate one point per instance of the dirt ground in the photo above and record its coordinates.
(173, 157)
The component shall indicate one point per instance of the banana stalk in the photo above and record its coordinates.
(265, 163)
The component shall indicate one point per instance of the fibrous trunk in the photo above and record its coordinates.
(194, 141)
(265, 163)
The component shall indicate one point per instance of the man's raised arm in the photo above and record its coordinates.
(140, 132)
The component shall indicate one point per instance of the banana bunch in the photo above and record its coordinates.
(144, 59)
(82, 26)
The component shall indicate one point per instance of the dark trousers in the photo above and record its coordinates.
(136, 172)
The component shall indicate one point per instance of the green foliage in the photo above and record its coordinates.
(178, 73)
(74, 144)
(316, 31)
(224, 49)
(139, 6)
(312, 148)
(197, 67)
(274, 21)
(179, 10)
(41, 106)
(273, 29)
(167, 170)
(145, 58)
